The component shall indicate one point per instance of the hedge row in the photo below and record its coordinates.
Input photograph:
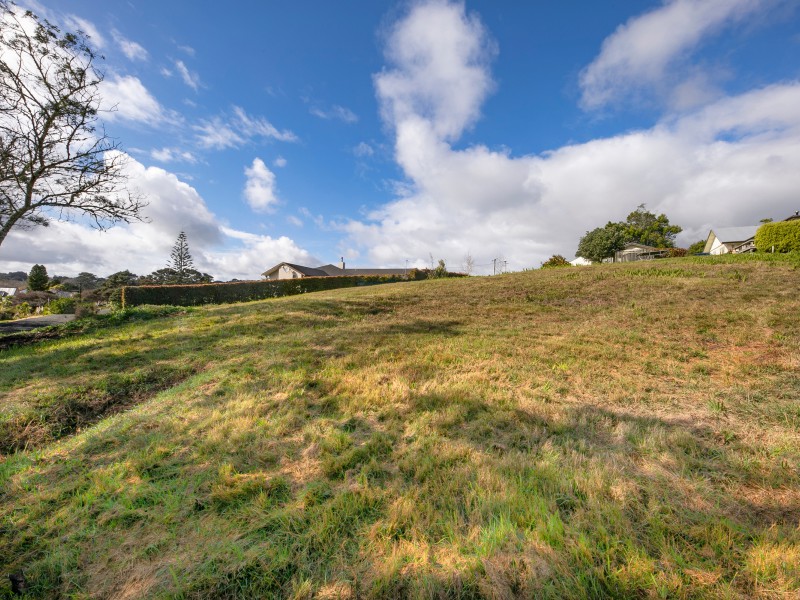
(243, 291)
(784, 236)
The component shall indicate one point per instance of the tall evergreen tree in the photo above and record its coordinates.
(38, 279)
(180, 259)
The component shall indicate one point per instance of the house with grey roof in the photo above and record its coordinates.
(725, 240)
(287, 270)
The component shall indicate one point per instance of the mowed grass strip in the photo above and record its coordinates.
(620, 430)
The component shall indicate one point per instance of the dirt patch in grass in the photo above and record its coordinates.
(59, 413)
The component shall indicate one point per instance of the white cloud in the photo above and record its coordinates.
(232, 132)
(296, 221)
(187, 50)
(260, 127)
(77, 23)
(440, 56)
(638, 55)
(190, 78)
(259, 190)
(129, 48)
(363, 149)
(128, 99)
(167, 155)
(731, 162)
(280, 162)
(174, 206)
(336, 112)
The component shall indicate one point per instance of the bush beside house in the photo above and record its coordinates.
(783, 236)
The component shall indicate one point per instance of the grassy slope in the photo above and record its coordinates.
(615, 430)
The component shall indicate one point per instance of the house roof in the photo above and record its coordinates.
(307, 271)
(7, 291)
(728, 235)
(333, 271)
(631, 245)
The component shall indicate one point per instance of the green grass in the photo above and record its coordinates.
(608, 431)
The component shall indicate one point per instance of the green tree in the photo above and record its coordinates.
(87, 281)
(113, 284)
(602, 242)
(38, 279)
(180, 259)
(169, 276)
(697, 247)
(438, 272)
(645, 227)
(556, 261)
(54, 160)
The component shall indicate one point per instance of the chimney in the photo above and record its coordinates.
(341, 263)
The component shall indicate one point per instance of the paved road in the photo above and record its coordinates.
(33, 323)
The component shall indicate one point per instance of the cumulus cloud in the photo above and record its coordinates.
(126, 98)
(337, 112)
(439, 56)
(129, 48)
(731, 162)
(174, 206)
(639, 53)
(234, 131)
(259, 190)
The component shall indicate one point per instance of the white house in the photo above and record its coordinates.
(730, 239)
(286, 270)
(7, 291)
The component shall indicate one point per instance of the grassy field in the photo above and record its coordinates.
(609, 431)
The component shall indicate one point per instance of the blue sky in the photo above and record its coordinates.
(393, 131)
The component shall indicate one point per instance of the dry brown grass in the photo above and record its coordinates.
(624, 431)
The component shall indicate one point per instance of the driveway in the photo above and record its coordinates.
(33, 323)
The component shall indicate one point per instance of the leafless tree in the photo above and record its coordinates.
(469, 264)
(56, 161)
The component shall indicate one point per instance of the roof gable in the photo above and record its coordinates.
(727, 235)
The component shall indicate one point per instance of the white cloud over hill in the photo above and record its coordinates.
(174, 206)
(730, 162)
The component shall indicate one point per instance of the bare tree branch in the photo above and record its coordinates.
(55, 162)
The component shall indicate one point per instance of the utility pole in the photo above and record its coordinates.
(505, 266)
(494, 266)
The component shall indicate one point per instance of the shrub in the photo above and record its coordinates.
(85, 309)
(556, 261)
(783, 236)
(22, 310)
(677, 252)
(439, 272)
(243, 291)
(60, 306)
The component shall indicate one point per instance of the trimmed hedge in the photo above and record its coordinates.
(784, 235)
(243, 291)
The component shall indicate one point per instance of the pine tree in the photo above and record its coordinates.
(38, 279)
(180, 259)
